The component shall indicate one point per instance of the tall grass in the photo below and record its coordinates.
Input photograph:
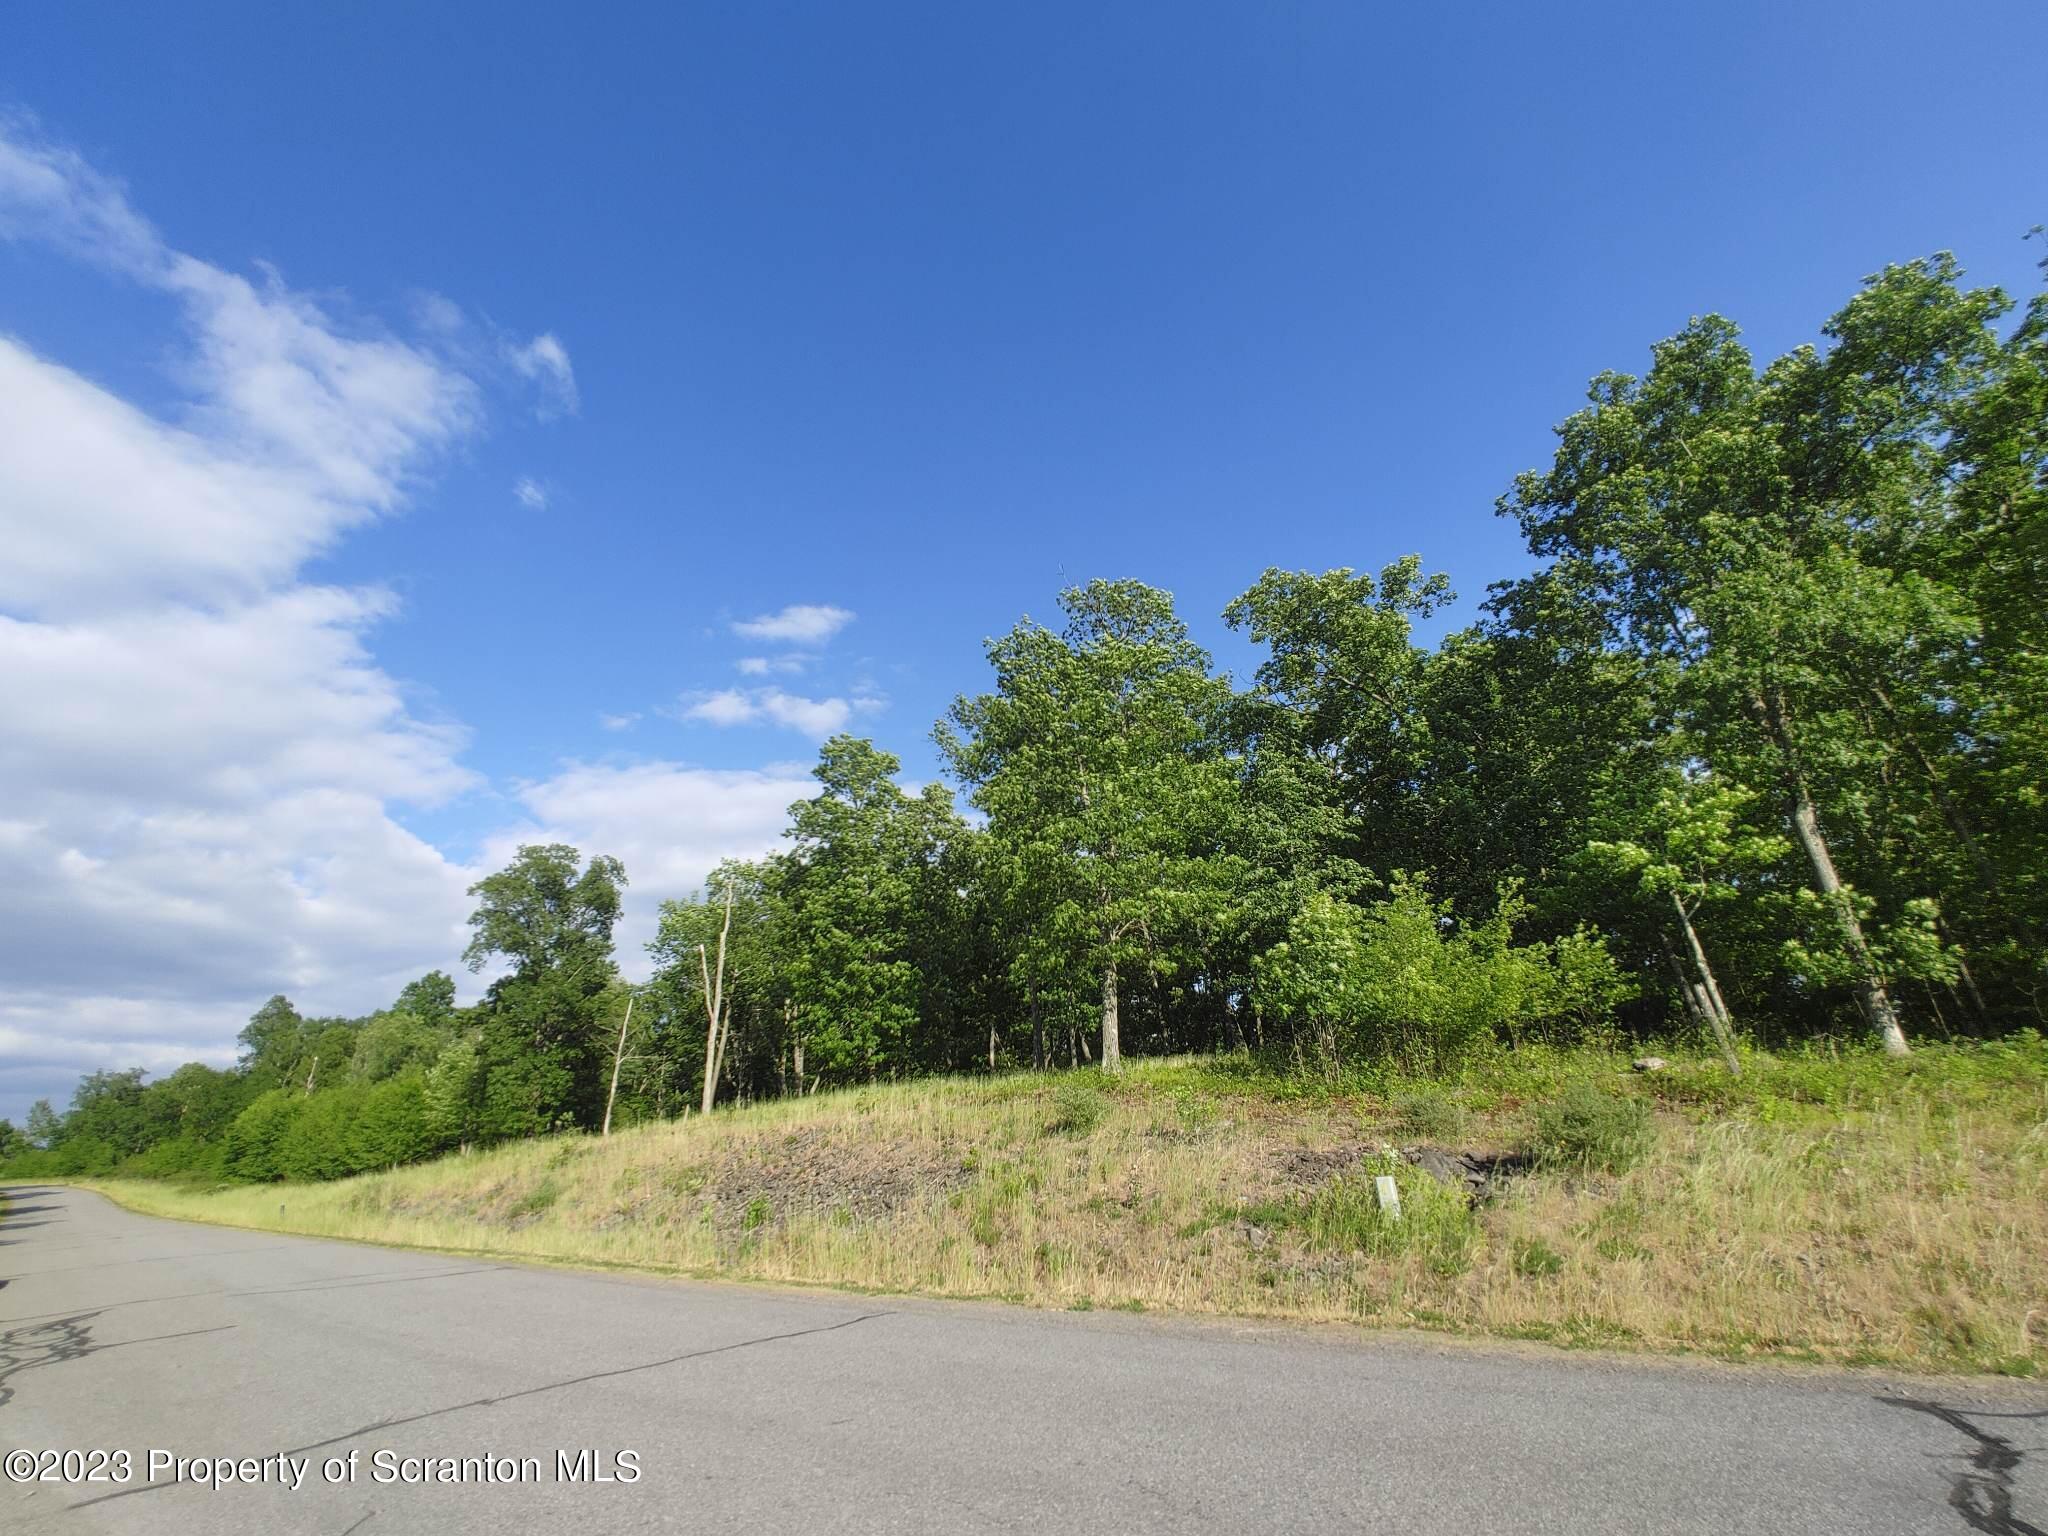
(1834, 1210)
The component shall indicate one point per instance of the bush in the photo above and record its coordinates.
(1077, 1109)
(1585, 1128)
(1430, 1112)
(1401, 981)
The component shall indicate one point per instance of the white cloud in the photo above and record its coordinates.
(728, 706)
(530, 494)
(803, 623)
(670, 823)
(761, 666)
(438, 313)
(619, 722)
(545, 361)
(816, 718)
(199, 757)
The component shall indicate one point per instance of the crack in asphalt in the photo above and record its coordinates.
(155, 1258)
(508, 1397)
(1982, 1495)
(321, 1283)
(70, 1338)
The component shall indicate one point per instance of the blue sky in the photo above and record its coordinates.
(913, 314)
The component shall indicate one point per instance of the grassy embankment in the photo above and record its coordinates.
(1825, 1207)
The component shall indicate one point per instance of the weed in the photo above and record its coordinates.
(1534, 1259)
(1828, 1204)
(1431, 1113)
(1195, 1109)
(1585, 1128)
(536, 1200)
(1077, 1109)
(1435, 1223)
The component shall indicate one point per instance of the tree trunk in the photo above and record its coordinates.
(1112, 1051)
(1871, 995)
(714, 1008)
(618, 1056)
(1690, 996)
(1717, 1010)
(1037, 1033)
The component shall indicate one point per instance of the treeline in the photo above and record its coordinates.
(1758, 750)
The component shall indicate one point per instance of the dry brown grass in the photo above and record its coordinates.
(1904, 1225)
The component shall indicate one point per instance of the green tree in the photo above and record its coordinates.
(42, 1128)
(274, 1044)
(1098, 760)
(1743, 531)
(550, 918)
(1682, 842)
(864, 891)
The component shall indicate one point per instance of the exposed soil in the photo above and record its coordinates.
(812, 1171)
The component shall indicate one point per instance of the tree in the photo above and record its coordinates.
(1343, 664)
(274, 1043)
(42, 1128)
(1745, 531)
(1098, 760)
(864, 893)
(551, 918)
(431, 999)
(758, 1038)
(1681, 841)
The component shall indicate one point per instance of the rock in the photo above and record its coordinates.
(1649, 1063)
(1459, 1170)
(1438, 1165)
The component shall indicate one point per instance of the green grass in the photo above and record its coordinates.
(1825, 1205)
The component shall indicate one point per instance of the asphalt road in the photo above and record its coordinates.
(740, 1409)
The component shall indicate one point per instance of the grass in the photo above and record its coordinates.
(1827, 1206)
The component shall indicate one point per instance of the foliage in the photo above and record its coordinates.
(1431, 1113)
(1403, 981)
(1756, 746)
(1076, 1109)
(1585, 1128)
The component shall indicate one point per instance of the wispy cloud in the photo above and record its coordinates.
(816, 718)
(761, 666)
(619, 722)
(530, 494)
(800, 623)
(545, 361)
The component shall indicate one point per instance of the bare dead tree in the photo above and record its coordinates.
(618, 1056)
(717, 1013)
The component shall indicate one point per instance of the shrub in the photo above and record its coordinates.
(1430, 1112)
(1077, 1109)
(1193, 1109)
(1585, 1127)
(1402, 981)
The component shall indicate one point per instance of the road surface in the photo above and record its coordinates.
(337, 1374)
